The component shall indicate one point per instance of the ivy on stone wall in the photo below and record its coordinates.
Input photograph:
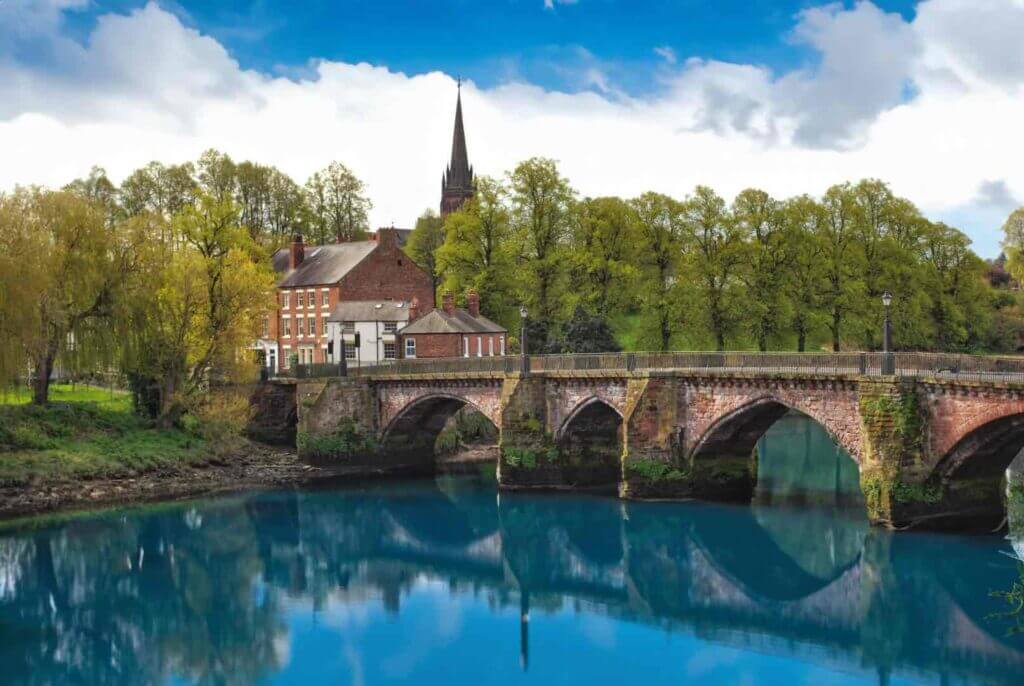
(345, 442)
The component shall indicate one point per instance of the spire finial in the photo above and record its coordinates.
(458, 83)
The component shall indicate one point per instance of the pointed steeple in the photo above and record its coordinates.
(457, 183)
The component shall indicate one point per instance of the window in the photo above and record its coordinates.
(300, 326)
(325, 298)
(490, 346)
(501, 341)
(311, 300)
(390, 327)
(410, 347)
(266, 326)
(350, 352)
(305, 355)
(465, 346)
(286, 300)
(479, 346)
(348, 327)
(287, 321)
(311, 323)
(389, 351)
(300, 299)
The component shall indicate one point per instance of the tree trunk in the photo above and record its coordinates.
(720, 340)
(41, 384)
(666, 334)
(801, 341)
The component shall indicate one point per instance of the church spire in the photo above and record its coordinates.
(457, 183)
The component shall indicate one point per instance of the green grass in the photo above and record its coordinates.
(85, 433)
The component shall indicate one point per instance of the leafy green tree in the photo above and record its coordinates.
(588, 333)
(217, 175)
(424, 242)
(766, 268)
(478, 251)
(805, 281)
(64, 303)
(604, 243)
(660, 230)
(337, 205)
(842, 259)
(713, 251)
(542, 201)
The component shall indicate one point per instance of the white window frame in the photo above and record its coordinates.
(465, 346)
(286, 300)
(390, 327)
(394, 354)
(490, 346)
(300, 326)
(479, 346)
(410, 348)
(286, 327)
(501, 342)
(310, 300)
(325, 298)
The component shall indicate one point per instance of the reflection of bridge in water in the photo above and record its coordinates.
(753, 578)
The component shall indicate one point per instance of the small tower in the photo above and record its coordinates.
(457, 181)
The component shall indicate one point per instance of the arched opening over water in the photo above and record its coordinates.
(442, 426)
(768, 452)
(971, 478)
(590, 444)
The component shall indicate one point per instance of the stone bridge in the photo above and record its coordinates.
(932, 446)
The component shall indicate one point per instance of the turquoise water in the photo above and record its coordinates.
(447, 582)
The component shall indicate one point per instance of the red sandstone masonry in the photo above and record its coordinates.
(397, 397)
(956, 412)
(832, 404)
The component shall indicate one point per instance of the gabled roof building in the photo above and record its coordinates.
(451, 331)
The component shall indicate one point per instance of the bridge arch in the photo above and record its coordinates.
(590, 443)
(415, 426)
(725, 452)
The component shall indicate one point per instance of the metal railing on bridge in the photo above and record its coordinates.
(909, 365)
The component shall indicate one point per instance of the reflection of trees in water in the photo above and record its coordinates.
(201, 594)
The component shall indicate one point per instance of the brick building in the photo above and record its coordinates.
(451, 331)
(313, 280)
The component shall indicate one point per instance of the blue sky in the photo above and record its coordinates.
(495, 40)
(789, 96)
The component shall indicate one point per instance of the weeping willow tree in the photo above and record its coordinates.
(194, 306)
(62, 269)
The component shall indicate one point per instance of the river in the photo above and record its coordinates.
(446, 581)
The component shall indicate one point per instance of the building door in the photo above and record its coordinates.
(272, 360)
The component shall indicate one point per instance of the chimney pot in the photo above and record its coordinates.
(473, 304)
(414, 309)
(448, 303)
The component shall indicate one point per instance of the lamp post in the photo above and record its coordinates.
(524, 362)
(888, 362)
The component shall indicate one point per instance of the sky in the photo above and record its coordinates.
(790, 96)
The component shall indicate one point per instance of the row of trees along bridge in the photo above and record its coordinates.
(165, 278)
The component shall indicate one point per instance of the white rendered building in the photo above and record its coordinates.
(368, 328)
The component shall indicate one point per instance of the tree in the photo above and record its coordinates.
(337, 205)
(195, 307)
(715, 249)
(588, 333)
(762, 222)
(659, 223)
(477, 253)
(1013, 244)
(541, 204)
(424, 242)
(157, 188)
(217, 175)
(604, 242)
(842, 260)
(63, 305)
(806, 277)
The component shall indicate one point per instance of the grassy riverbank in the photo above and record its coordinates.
(87, 433)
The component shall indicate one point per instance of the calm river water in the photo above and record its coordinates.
(447, 582)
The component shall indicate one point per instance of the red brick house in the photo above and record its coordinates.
(314, 279)
(451, 331)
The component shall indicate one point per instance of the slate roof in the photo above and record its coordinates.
(323, 264)
(370, 311)
(460, 321)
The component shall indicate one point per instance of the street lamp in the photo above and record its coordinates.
(888, 363)
(524, 363)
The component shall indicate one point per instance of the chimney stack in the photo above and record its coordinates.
(473, 304)
(449, 303)
(387, 237)
(298, 252)
(414, 309)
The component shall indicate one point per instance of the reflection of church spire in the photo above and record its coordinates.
(524, 630)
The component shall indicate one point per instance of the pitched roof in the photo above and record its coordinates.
(460, 321)
(323, 264)
(370, 311)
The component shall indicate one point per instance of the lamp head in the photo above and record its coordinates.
(887, 298)
(522, 312)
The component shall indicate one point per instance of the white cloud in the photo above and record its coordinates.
(666, 53)
(143, 86)
(550, 4)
